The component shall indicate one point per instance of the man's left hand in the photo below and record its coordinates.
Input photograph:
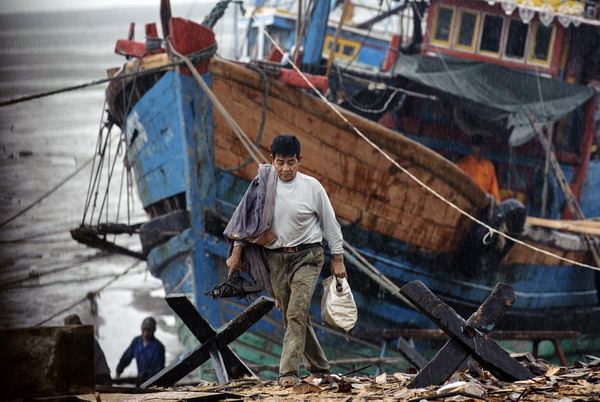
(338, 269)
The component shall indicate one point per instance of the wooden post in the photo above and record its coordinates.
(338, 30)
(46, 361)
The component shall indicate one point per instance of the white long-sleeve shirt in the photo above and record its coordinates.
(301, 206)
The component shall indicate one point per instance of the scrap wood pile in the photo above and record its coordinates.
(577, 383)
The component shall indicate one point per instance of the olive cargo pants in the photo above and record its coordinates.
(293, 278)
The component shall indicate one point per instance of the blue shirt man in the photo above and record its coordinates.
(149, 353)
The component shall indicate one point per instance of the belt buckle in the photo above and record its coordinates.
(290, 249)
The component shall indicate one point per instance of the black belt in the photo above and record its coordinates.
(294, 249)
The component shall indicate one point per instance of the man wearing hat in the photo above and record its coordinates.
(148, 351)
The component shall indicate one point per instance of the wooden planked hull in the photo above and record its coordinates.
(364, 187)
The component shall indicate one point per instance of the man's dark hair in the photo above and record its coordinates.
(72, 319)
(149, 323)
(286, 145)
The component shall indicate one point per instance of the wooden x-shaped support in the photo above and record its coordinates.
(467, 338)
(213, 344)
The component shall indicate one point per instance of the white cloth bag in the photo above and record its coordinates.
(338, 308)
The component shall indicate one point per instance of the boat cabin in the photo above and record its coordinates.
(360, 45)
(475, 30)
(489, 65)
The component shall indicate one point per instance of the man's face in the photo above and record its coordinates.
(286, 166)
(476, 151)
(147, 334)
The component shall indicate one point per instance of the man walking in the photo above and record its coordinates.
(149, 353)
(292, 217)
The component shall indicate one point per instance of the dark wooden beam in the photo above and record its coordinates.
(214, 344)
(203, 331)
(410, 353)
(46, 361)
(452, 355)
(468, 338)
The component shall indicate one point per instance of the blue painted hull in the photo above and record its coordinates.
(170, 137)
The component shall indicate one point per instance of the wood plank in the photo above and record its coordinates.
(410, 353)
(451, 356)
(219, 341)
(410, 333)
(203, 331)
(485, 351)
(47, 361)
(584, 226)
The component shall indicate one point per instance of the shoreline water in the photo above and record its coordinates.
(42, 269)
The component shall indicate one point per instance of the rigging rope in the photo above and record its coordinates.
(205, 53)
(89, 296)
(404, 91)
(68, 281)
(416, 179)
(9, 282)
(49, 192)
(217, 12)
(263, 118)
(254, 152)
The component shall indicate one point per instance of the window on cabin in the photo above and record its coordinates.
(337, 46)
(443, 25)
(344, 49)
(541, 46)
(348, 50)
(466, 33)
(492, 32)
(517, 39)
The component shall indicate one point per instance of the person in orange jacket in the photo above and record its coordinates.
(480, 169)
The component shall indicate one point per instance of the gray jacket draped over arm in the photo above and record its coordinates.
(251, 224)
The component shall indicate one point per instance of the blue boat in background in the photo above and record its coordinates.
(191, 169)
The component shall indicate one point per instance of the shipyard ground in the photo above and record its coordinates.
(580, 382)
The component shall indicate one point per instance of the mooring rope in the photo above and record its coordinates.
(203, 54)
(49, 192)
(263, 120)
(254, 152)
(89, 296)
(415, 178)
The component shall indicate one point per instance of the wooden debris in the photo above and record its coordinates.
(580, 382)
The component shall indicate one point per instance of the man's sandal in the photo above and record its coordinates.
(288, 381)
(320, 378)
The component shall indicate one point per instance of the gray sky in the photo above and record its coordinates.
(11, 6)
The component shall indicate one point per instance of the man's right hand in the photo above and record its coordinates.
(234, 262)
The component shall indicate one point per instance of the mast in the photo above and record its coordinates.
(314, 36)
